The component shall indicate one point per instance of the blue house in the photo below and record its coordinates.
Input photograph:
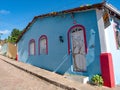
(81, 41)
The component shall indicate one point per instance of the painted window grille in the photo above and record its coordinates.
(74, 29)
(32, 47)
(43, 45)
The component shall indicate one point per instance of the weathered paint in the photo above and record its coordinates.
(99, 42)
(68, 37)
(58, 59)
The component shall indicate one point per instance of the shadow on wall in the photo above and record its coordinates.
(63, 66)
(93, 62)
(57, 66)
(23, 54)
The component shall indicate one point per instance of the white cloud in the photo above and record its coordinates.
(4, 12)
(4, 31)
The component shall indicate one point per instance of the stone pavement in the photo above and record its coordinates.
(12, 78)
(54, 78)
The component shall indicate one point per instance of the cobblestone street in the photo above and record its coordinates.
(12, 78)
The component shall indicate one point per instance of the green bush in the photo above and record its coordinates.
(97, 80)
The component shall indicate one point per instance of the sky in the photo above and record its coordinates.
(18, 13)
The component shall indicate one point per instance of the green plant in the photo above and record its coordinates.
(97, 80)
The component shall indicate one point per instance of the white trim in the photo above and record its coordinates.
(102, 37)
(112, 8)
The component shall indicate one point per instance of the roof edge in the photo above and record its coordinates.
(112, 8)
(82, 8)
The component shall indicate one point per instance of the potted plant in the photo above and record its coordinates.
(97, 80)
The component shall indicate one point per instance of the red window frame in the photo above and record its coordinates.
(32, 41)
(43, 36)
(68, 36)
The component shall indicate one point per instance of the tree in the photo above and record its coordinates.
(14, 35)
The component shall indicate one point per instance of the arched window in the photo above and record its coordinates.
(32, 47)
(43, 45)
(77, 30)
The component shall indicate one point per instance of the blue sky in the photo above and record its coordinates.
(18, 13)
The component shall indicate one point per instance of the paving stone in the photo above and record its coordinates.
(49, 80)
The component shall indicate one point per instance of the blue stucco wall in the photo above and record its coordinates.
(58, 59)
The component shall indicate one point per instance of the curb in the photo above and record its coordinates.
(41, 77)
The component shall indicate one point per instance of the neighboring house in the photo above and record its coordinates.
(9, 50)
(80, 41)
